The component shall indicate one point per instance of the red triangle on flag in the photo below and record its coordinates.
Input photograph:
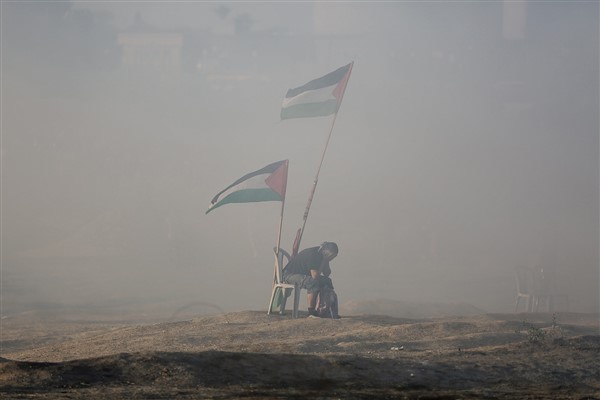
(339, 90)
(277, 181)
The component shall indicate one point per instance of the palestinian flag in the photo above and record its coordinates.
(266, 184)
(319, 97)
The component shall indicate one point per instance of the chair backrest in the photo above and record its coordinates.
(282, 257)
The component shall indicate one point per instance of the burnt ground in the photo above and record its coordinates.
(254, 356)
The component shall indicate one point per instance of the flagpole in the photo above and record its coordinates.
(276, 266)
(282, 208)
(280, 226)
(314, 186)
(278, 242)
(300, 232)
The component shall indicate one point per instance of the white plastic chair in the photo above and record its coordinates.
(525, 291)
(546, 291)
(280, 288)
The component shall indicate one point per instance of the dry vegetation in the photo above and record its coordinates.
(251, 355)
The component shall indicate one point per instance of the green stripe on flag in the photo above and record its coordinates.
(248, 196)
(304, 110)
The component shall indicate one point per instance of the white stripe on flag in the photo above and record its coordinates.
(255, 182)
(311, 96)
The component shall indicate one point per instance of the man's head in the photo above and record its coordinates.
(328, 250)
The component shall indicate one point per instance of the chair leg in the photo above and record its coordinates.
(527, 303)
(272, 299)
(283, 301)
(540, 303)
(296, 301)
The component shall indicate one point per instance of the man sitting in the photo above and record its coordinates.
(310, 270)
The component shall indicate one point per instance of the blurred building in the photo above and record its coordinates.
(157, 51)
(143, 47)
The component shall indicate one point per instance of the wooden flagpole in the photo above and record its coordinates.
(276, 265)
(280, 226)
(275, 268)
(313, 189)
(278, 242)
(282, 207)
(296, 246)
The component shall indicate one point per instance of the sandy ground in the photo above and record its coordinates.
(254, 356)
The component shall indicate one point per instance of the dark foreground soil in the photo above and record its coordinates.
(251, 355)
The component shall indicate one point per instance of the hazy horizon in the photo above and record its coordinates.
(466, 145)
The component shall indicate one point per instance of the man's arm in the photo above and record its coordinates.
(325, 268)
(314, 273)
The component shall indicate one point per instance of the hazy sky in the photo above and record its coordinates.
(466, 145)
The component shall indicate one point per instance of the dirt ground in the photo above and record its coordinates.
(252, 355)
